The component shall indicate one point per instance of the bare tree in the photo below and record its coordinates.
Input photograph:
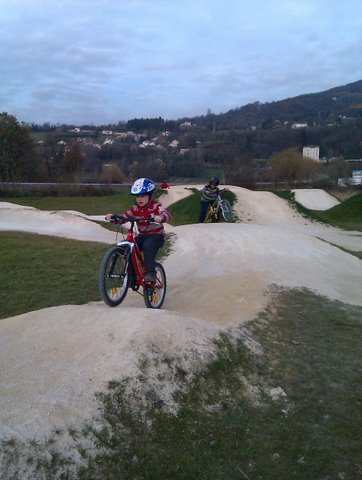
(73, 161)
(112, 173)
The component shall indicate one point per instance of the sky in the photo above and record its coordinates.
(107, 61)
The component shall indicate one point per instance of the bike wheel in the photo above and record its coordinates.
(114, 276)
(154, 295)
(226, 211)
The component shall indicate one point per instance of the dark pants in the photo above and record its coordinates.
(203, 212)
(150, 244)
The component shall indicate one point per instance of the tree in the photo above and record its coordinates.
(52, 154)
(73, 161)
(158, 169)
(239, 172)
(18, 160)
(339, 169)
(133, 170)
(112, 173)
(290, 166)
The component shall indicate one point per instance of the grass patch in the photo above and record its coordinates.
(91, 205)
(40, 271)
(346, 215)
(187, 210)
(308, 347)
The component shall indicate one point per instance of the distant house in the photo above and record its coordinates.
(311, 152)
(174, 144)
(356, 177)
(186, 124)
(147, 143)
(299, 125)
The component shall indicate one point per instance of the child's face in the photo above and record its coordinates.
(142, 200)
(213, 186)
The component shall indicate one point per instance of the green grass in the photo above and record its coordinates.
(97, 205)
(187, 210)
(227, 425)
(40, 271)
(347, 215)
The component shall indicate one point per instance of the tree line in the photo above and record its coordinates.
(244, 157)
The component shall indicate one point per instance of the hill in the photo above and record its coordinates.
(330, 106)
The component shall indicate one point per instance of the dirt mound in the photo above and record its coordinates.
(53, 360)
(315, 199)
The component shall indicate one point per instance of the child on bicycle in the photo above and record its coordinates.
(151, 234)
(208, 196)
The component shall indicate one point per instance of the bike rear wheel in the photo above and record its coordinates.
(114, 276)
(154, 295)
(226, 211)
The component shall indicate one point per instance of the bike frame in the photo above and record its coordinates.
(218, 208)
(113, 288)
(136, 255)
(214, 208)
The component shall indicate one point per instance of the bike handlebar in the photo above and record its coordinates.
(149, 219)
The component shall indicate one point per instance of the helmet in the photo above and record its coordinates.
(214, 180)
(142, 186)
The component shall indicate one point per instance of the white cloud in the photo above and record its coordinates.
(99, 61)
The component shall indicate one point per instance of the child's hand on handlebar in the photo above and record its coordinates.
(158, 219)
(110, 217)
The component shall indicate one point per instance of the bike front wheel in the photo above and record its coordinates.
(114, 276)
(154, 295)
(226, 211)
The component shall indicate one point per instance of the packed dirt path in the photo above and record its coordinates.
(219, 275)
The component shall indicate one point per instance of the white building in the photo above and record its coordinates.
(356, 177)
(311, 152)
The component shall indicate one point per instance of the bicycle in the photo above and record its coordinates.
(219, 206)
(123, 267)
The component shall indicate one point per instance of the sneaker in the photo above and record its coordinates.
(150, 278)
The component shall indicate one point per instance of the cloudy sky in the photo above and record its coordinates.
(104, 61)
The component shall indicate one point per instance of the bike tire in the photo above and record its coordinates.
(226, 211)
(114, 276)
(154, 295)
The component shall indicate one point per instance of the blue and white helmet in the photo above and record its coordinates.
(142, 186)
